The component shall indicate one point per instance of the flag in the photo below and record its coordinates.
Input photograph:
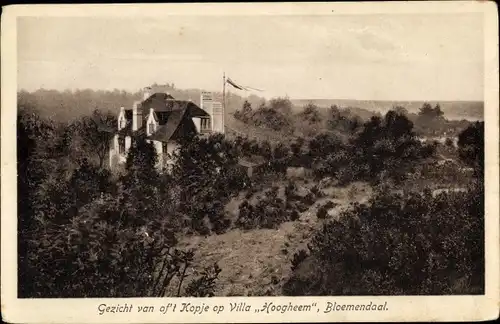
(254, 88)
(240, 87)
(234, 84)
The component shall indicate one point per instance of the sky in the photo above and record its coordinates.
(365, 57)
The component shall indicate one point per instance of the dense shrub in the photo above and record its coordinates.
(298, 257)
(310, 114)
(291, 191)
(274, 115)
(206, 175)
(317, 192)
(412, 244)
(204, 286)
(323, 209)
(471, 147)
(270, 210)
(322, 212)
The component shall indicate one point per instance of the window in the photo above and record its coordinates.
(121, 145)
(123, 123)
(152, 127)
(164, 147)
(205, 124)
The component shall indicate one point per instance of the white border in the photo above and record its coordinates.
(422, 308)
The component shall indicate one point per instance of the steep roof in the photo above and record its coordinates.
(162, 102)
(173, 116)
(251, 161)
(165, 132)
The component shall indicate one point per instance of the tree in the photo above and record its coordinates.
(207, 176)
(322, 143)
(282, 105)
(428, 112)
(247, 109)
(401, 110)
(266, 150)
(33, 134)
(95, 138)
(471, 147)
(311, 113)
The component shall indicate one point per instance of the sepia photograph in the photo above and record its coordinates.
(292, 154)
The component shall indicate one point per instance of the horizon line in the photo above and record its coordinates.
(260, 96)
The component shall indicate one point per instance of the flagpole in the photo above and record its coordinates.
(223, 100)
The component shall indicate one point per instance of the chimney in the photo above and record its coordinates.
(146, 93)
(121, 117)
(136, 116)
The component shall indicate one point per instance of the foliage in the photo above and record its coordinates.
(246, 112)
(207, 176)
(382, 147)
(95, 139)
(428, 112)
(69, 105)
(298, 257)
(322, 212)
(471, 147)
(269, 212)
(343, 119)
(323, 209)
(390, 144)
(311, 114)
(83, 235)
(204, 286)
(275, 115)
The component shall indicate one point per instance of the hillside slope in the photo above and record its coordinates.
(256, 262)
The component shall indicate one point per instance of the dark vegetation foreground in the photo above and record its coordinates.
(343, 205)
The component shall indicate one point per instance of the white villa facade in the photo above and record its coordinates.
(163, 120)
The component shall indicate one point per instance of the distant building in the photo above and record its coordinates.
(162, 120)
(252, 165)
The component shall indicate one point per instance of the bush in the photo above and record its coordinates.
(317, 192)
(207, 176)
(414, 244)
(322, 212)
(204, 286)
(291, 190)
(308, 199)
(268, 212)
(329, 205)
(298, 257)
